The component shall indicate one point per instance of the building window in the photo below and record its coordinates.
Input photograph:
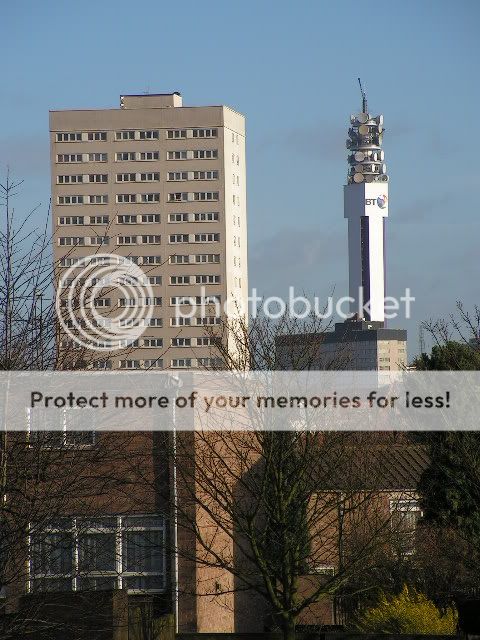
(71, 220)
(102, 199)
(156, 301)
(152, 342)
(207, 257)
(177, 176)
(153, 364)
(127, 219)
(207, 279)
(126, 240)
(126, 177)
(206, 196)
(98, 177)
(154, 322)
(205, 133)
(210, 363)
(405, 515)
(72, 200)
(150, 197)
(97, 157)
(148, 135)
(176, 155)
(72, 179)
(149, 177)
(208, 320)
(179, 279)
(102, 302)
(150, 218)
(99, 240)
(124, 135)
(178, 238)
(69, 137)
(181, 363)
(69, 158)
(176, 134)
(205, 175)
(206, 217)
(71, 241)
(97, 136)
(205, 154)
(180, 322)
(151, 239)
(181, 342)
(178, 217)
(151, 259)
(125, 156)
(177, 197)
(207, 237)
(149, 155)
(126, 198)
(99, 219)
(129, 364)
(179, 259)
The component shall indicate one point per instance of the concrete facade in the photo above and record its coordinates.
(164, 185)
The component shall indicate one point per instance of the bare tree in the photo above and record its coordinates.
(57, 488)
(267, 518)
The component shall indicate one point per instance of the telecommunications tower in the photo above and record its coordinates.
(366, 207)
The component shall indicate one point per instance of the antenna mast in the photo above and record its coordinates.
(364, 98)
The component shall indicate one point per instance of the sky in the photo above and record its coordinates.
(291, 68)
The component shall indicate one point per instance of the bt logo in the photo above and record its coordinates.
(381, 201)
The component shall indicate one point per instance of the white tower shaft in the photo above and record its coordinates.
(366, 207)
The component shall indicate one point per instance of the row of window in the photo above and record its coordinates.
(80, 199)
(83, 178)
(193, 363)
(83, 241)
(132, 240)
(139, 282)
(144, 342)
(198, 258)
(176, 321)
(134, 134)
(143, 198)
(176, 238)
(205, 196)
(180, 176)
(81, 220)
(155, 301)
(147, 218)
(109, 552)
(181, 238)
(73, 158)
(151, 342)
(138, 156)
(198, 279)
(175, 363)
(110, 323)
(131, 280)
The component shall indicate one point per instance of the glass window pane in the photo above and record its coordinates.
(142, 551)
(52, 554)
(96, 552)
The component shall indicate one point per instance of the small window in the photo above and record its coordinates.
(176, 134)
(124, 135)
(97, 135)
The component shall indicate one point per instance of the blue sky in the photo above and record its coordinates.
(291, 68)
